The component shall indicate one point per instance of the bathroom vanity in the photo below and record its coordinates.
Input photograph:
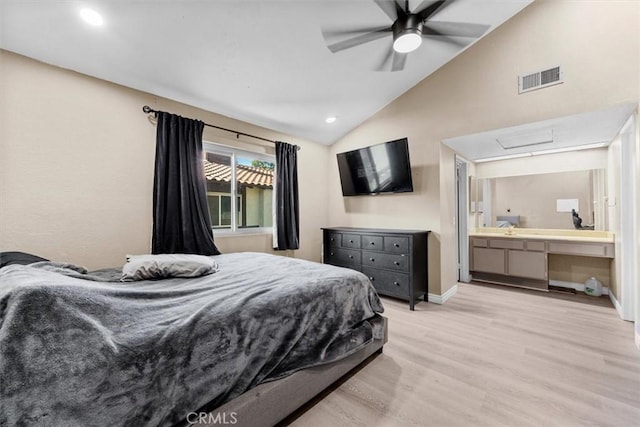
(521, 258)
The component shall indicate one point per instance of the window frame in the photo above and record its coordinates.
(233, 153)
(220, 195)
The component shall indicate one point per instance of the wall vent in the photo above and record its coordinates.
(539, 79)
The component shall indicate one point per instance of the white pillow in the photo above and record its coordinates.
(143, 267)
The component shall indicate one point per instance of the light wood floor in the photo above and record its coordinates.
(494, 356)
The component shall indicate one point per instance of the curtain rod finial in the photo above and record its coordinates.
(146, 109)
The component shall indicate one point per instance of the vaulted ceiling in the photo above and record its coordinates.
(263, 62)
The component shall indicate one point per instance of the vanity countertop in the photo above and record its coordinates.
(545, 234)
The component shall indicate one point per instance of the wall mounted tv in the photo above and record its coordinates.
(381, 168)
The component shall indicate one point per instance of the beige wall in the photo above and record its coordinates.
(596, 43)
(76, 167)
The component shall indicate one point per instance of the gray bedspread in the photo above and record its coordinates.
(82, 349)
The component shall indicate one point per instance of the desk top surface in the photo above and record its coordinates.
(545, 234)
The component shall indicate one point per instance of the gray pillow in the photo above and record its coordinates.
(144, 267)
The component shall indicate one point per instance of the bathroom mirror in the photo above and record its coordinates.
(475, 195)
(541, 200)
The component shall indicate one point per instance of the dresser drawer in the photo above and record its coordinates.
(605, 250)
(372, 243)
(480, 243)
(506, 244)
(536, 246)
(398, 245)
(388, 282)
(334, 239)
(351, 241)
(398, 262)
(342, 257)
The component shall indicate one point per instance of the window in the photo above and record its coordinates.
(220, 209)
(248, 176)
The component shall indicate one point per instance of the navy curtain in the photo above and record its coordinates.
(181, 222)
(287, 224)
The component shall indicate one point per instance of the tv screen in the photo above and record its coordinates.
(381, 168)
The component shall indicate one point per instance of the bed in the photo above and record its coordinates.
(251, 341)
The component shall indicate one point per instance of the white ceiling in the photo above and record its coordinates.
(578, 131)
(263, 62)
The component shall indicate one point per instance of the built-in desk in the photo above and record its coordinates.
(521, 259)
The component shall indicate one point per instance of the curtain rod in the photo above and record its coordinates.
(148, 110)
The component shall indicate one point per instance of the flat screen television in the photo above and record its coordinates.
(381, 168)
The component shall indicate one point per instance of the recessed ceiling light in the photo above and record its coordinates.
(91, 17)
(330, 119)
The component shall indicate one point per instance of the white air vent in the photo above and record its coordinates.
(539, 79)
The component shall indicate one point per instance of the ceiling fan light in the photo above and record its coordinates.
(407, 42)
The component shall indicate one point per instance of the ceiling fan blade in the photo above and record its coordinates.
(399, 60)
(429, 7)
(358, 40)
(330, 33)
(447, 39)
(391, 8)
(385, 60)
(454, 29)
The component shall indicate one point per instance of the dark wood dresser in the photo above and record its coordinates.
(394, 260)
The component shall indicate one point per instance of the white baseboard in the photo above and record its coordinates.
(441, 299)
(618, 307)
(576, 286)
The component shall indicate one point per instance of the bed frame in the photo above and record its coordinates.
(271, 402)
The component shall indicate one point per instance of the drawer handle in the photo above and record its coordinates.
(396, 245)
(396, 283)
(332, 239)
(350, 241)
(372, 243)
(372, 279)
(350, 256)
(396, 262)
(332, 254)
(371, 259)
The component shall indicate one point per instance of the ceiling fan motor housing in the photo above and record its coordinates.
(410, 24)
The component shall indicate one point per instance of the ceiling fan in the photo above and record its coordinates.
(408, 30)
